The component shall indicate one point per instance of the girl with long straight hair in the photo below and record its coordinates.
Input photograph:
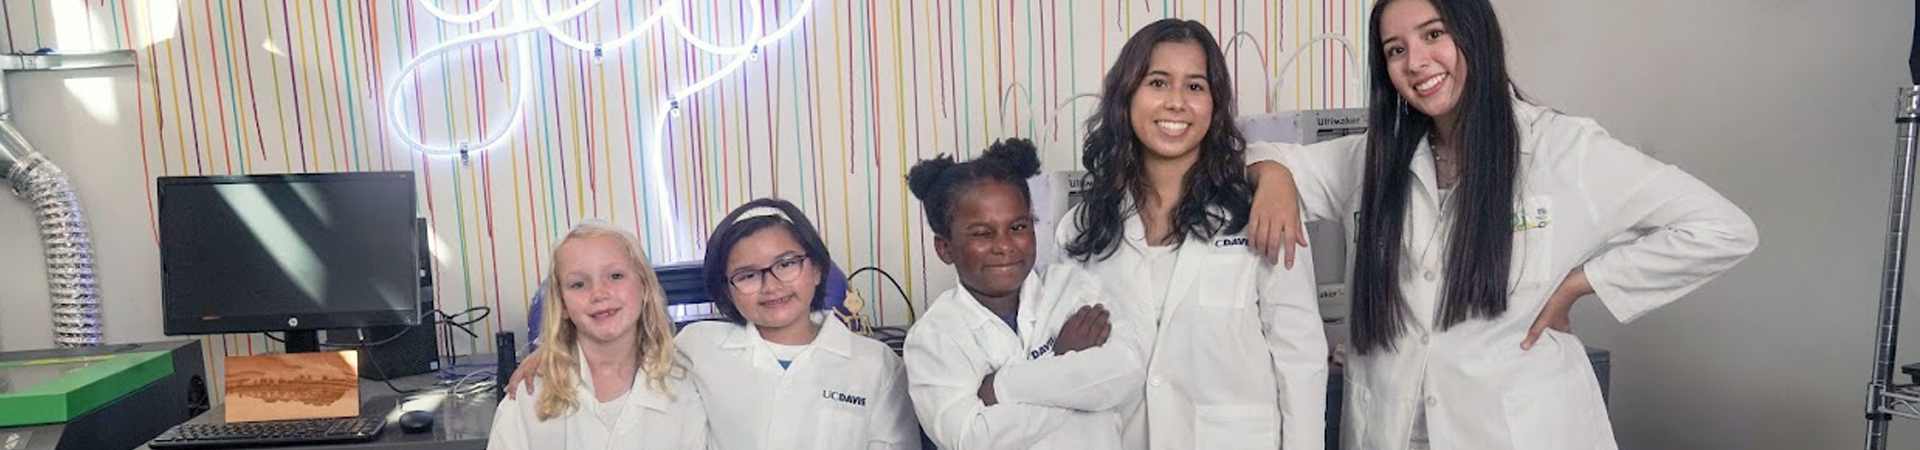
(1479, 218)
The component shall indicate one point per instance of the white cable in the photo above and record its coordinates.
(1353, 77)
(395, 113)
(1006, 95)
(659, 179)
(524, 18)
(680, 26)
(1054, 117)
(487, 376)
(1266, 78)
(698, 86)
(471, 17)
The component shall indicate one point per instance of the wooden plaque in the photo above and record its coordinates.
(292, 386)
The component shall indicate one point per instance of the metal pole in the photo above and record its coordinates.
(1906, 121)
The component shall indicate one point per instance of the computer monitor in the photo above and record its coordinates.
(289, 252)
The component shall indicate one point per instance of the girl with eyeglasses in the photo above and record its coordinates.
(779, 372)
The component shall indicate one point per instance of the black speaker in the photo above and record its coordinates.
(402, 350)
(507, 361)
(411, 350)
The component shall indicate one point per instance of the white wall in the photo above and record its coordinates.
(1786, 108)
(79, 120)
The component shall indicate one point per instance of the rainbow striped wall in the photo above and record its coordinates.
(829, 117)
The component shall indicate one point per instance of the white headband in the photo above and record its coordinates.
(762, 211)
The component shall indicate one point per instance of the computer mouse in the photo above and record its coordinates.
(416, 421)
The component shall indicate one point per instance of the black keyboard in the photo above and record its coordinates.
(274, 433)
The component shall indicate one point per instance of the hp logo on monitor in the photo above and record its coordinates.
(293, 321)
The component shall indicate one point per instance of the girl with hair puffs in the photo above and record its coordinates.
(1014, 357)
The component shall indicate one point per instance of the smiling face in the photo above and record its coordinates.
(1172, 109)
(601, 288)
(772, 280)
(1426, 68)
(989, 240)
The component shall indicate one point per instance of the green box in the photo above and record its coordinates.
(55, 390)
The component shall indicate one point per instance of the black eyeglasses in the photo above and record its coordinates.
(783, 269)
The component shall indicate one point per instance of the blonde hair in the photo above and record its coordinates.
(558, 355)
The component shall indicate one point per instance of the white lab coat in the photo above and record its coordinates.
(1240, 356)
(1645, 231)
(844, 392)
(652, 420)
(1071, 401)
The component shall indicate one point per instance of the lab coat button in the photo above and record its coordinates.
(1431, 401)
(1157, 381)
(1423, 338)
(1430, 276)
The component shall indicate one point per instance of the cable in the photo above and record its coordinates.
(1352, 58)
(466, 326)
(364, 344)
(387, 379)
(463, 380)
(912, 314)
(455, 320)
(462, 370)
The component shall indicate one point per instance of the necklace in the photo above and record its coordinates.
(1442, 225)
(1444, 168)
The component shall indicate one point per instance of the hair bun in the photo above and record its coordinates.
(925, 175)
(1019, 156)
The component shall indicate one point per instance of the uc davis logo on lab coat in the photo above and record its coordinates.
(1230, 242)
(850, 399)
(1044, 349)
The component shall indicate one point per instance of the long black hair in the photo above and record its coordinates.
(1116, 170)
(1478, 260)
(733, 229)
(937, 182)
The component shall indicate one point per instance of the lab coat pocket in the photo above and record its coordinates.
(1236, 426)
(1533, 230)
(1226, 282)
(1557, 414)
(1359, 404)
(836, 426)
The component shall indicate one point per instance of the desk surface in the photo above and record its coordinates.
(461, 422)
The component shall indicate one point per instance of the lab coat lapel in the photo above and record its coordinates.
(1187, 262)
(747, 341)
(640, 396)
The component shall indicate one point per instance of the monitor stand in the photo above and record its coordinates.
(303, 341)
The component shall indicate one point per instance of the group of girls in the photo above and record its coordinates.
(1477, 217)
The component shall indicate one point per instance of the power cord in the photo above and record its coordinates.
(459, 320)
(455, 321)
(912, 314)
(373, 361)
